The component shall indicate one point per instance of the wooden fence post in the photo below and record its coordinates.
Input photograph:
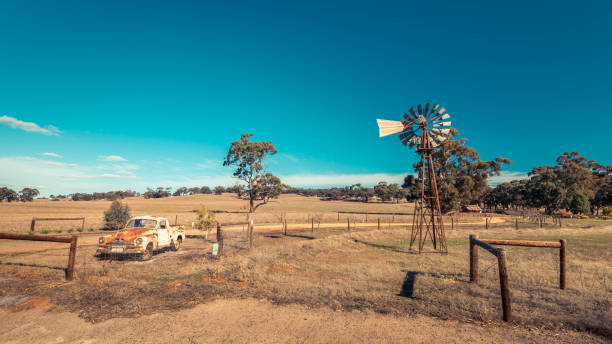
(516, 223)
(338, 216)
(379, 223)
(250, 230)
(71, 258)
(312, 226)
(562, 264)
(473, 259)
(250, 236)
(285, 225)
(503, 284)
(486, 223)
(219, 240)
(176, 219)
(33, 224)
(559, 221)
(83, 225)
(452, 223)
(348, 224)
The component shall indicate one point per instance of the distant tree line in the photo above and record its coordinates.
(25, 195)
(382, 191)
(576, 183)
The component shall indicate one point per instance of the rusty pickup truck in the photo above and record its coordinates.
(142, 236)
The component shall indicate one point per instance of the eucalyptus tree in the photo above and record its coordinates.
(248, 158)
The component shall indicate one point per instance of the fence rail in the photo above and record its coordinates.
(69, 271)
(501, 260)
(35, 219)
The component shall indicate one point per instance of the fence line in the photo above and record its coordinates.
(69, 271)
(35, 219)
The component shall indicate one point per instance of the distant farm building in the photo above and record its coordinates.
(472, 209)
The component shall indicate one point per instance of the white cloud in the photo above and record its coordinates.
(506, 176)
(52, 177)
(29, 126)
(327, 180)
(125, 173)
(60, 164)
(111, 158)
(210, 164)
(55, 155)
(98, 176)
(115, 167)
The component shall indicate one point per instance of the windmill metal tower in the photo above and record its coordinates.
(424, 128)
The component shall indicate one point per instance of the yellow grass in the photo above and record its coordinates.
(16, 217)
(330, 268)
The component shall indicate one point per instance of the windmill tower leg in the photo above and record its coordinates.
(427, 219)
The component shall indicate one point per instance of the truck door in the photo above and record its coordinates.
(163, 237)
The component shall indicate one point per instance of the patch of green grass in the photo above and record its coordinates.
(80, 229)
(44, 231)
(70, 230)
(58, 231)
(91, 229)
(30, 233)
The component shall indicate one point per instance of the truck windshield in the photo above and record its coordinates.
(142, 223)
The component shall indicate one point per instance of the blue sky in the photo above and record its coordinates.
(144, 93)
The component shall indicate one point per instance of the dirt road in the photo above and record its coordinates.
(256, 321)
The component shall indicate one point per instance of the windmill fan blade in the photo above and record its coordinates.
(432, 142)
(409, 118)
(441, 131)
(420, 109)
(387, 127)
(414, 141)
(445, 116)
(426, 110)
(413, 113)
(408, 140)
(440, 138)
(442, 124)
(441, 111)
(406, 134)
(435, 107)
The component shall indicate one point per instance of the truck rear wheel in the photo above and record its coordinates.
(176, 245)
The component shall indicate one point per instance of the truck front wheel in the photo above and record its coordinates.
(148, 252)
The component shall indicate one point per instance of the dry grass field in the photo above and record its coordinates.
(367, 280)
(15, 217)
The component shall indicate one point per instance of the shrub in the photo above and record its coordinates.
(206, 220)
(70, 230)
(30, 233)
(80, 229)
(607, 211)
(91, 229)
(58, 231)
(116, 216)
(44, 231)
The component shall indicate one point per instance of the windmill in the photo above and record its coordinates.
(426, 128)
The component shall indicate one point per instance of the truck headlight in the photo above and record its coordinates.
(101, 240)
(138, 241)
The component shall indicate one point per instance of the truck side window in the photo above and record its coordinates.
(162, 224)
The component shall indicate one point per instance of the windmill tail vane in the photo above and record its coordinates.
(426, 128)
